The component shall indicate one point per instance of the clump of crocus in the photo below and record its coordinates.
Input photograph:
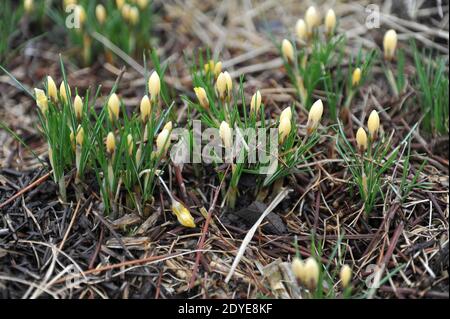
(202, 97)
(356, 77)
(287, 50)
(113, 107)
(314, 116)
(345, 276)
(390, 44)
(255, 103)
(373, 124)
(330, 22)
(154, 86)
(361, 140)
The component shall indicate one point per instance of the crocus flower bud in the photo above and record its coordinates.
(312, 272)
(80, 14)
(345, 275)
(100, 13)
(356, 77)
(330, 21)
(226, 134)
(80, 136)
(110, 143)
(229, 83)
(134, 15)
(301, 30)
(202, 97)
(65, 96)
(361, 139)
(113, 107)
(221, 85)
(142, 3)
(286, 113)
(120, 3)
(52, 91)
(163, 142)
(154, 85)
(288, 50)
(298, 268)
(168, 126)
(373, 124)
(126, 9)
(78, 107)
(130, 144)
(255, 103)
(217, 68)
(183, 215)
(390, 44)
(146, 108)
(312, 18)
(284, 128)
(28, 6)
(314, 116)
(41, 100)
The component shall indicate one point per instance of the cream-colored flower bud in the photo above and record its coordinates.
(142, 4)
(286, 113)
(312, 18)
(113, 107)
(110, 143)
(134, 15)
(80, 14)
(288, 50)
(41, 100)
(28, 6)
(78, 107)
(146, 108)
(65, 96)
(255, 103)
(202, 97)
(301, 30)
(183, 215)
(390, 44)
(163, 142)
(330, 21)
(373, 124)
(221, 85)
(52, 91)
(226, 135)
(284, 129)
(154, 85)
(356, 77)
(217, 68)
(100, 13)
(210, 66)
(130, 144)
(168, 126)
(361, 139)
(138, 156)
(345, 275)
(298, 268)
(80, 136)
(312, 272)
(314, 116)
(126, 9)
(120, 3)
(229, 82)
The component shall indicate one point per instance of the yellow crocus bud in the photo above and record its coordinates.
(119, 4)
(255, 103)
(78, 107)
(298, 269)
(52, 91)
(183, 215)
(72, 140)
(373, 124)
(345, 275)
(390, 44)
(217, 68)
(80, 136)
(163, 142)
(142, 3)
(287, 50)
(286, 113)
(226, 134)
(312, 18)
(65, 96)
(330, 21)
(314, 116)
(284, 129)
(69, 2)
(356, 77)
(100, 13)
(221, 85)
(361, 139)
(209, 67)
(134, 15)
(202, 97)
(80, 14)
(130, 144)
(113, 107)
(301, 30)
(168, 126)
(154, 85)
(312, 272)
(110, 143)
(126, 9)
(28, 6)
(138, 156)
(146, 108)
(229, 83)
(41, 100)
